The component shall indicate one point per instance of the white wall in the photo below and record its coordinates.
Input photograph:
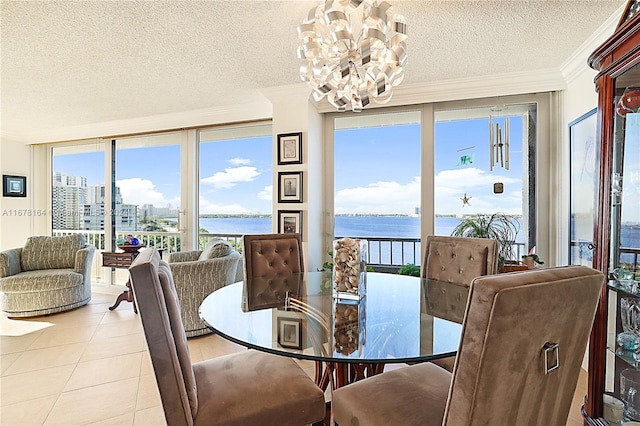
(16, 223)
(292, 113)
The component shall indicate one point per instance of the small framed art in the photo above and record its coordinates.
(14, 186)
(290, 221)
(289, 187)
(290, 332)
(290, 148)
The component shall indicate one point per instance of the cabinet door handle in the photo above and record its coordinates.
(591, 246)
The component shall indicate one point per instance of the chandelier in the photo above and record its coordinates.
(352, 52)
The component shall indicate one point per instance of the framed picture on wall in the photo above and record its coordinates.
(14, 186)
(290, 221)
(289, 187)
(290, 148)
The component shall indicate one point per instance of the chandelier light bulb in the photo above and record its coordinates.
(352, 52)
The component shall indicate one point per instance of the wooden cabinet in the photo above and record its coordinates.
(618, 204)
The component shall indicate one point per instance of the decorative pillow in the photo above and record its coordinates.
(42, 252)
(217, 247)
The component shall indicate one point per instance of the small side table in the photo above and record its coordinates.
(122, 260)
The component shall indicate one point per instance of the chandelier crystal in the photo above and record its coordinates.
(352, 52)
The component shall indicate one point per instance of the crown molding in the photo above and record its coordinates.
(260, 109)
(576, 64)
(286, 93)
(470, 88)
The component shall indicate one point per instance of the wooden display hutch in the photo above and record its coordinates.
(617, 61)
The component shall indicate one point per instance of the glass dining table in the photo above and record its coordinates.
(399, 319)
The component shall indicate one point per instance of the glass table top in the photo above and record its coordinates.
(399, 319)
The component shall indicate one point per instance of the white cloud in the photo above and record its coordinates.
(207, 207)
(452, 185)
(379, 198)
(140, 191)
(266, 193)
(240, 161)
(231, 176)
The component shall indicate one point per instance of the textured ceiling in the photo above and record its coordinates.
(79, 63)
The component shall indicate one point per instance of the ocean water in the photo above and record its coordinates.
(377, 226)
(346, 226)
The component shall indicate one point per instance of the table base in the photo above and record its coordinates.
(338, 374)
(127, 296)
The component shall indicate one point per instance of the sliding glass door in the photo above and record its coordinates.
(78, 171)
(482, 167)
(376, 184)
(235, 182)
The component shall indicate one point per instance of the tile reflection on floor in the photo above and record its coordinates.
(91, 366)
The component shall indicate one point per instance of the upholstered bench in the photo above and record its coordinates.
(47, 275)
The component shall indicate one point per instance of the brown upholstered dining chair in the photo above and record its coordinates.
(246, 388)
(269, 255)
(458, 259)
(271, 266)
(524, 336)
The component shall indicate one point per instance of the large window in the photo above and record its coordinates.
(145, 198)
(482, 167)
(399, 176)
(235, 181)
(377, 184)
(77, 179)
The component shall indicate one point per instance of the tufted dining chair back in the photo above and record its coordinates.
(270, 255)
(458, 259)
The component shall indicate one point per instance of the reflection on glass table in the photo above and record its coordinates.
(400, 319)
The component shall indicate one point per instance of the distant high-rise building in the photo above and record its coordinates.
(69, 197)
(152, 211)
(96, 212)
(81, 207)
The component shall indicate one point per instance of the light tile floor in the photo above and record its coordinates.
(91, 366)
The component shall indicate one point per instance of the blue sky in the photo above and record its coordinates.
(476, 180)
(377, 170)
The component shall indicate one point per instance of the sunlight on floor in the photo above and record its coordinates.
(9, 327)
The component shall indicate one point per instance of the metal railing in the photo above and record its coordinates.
(382, 252)
(167, 241)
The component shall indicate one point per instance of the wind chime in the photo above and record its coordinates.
(499, 143)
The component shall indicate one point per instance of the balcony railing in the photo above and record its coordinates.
(381, 251)
(167, 241)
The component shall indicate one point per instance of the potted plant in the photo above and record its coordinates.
(501, 227)
(410, 269)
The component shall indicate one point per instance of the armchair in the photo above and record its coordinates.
(197, 274)
(47, 275)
